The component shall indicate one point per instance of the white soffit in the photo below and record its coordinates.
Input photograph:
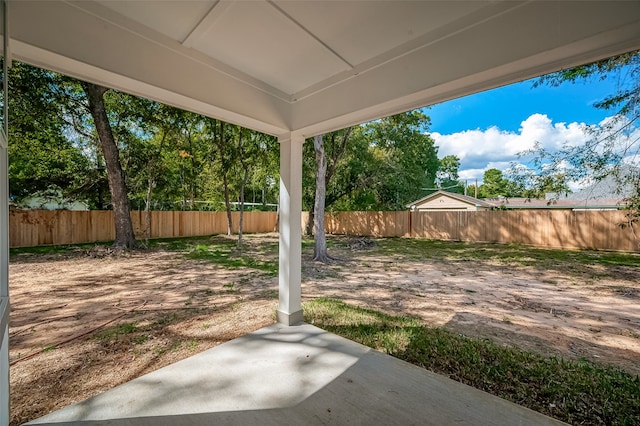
(175, 19)
(315, 66)
(274, 49)
(360, 34)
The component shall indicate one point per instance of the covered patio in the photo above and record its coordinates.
(295, 69)
(294, 375)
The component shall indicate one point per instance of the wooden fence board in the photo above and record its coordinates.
(375, 224)
(44, 227)
(542, 228)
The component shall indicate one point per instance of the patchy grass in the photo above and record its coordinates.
(261, 255)
(113, 333)
(577, 392)
(177, 244)
(310, 243)
(223, 250)
(60, 249)
(504, 254)
(231, 258)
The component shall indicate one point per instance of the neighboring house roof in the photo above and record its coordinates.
(559, 203)
(463, 198)
(529, 203)
(617, 185)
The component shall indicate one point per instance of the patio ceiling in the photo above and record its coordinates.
(315, 66)
(300, 68)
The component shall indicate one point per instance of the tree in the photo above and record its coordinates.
(221, 138)
(167, 158)
(611, 149)
(320, 241)
(251, 151)
(61, 105)
(447, 175)
(407, 157)
(117, 185)
(494, 184)
(554, 185)
(381, 165)
(336, 144)
(149, 165)
(42, 158)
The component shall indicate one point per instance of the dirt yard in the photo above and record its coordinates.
(87, 320)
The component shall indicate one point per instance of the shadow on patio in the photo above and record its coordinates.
(293, 375)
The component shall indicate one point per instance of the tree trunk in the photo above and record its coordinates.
(227, 203)
(220, 144)
(245, 178)
(308, 229)
(320, 240)
(117, 185)
(276, 226)
(147, 207)
(152, 173)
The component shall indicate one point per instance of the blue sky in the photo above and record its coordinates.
(489, 129)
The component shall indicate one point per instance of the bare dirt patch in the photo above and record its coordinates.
(85, 321)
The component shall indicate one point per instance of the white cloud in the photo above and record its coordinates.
(480, 150)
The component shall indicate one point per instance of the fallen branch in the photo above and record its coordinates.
(46, 321)
(77, 336)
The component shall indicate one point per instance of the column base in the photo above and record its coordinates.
(289, 319)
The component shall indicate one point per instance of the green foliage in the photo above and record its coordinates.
(113, 333)
(41, 157)
(223, 251)
(243, 162)
(624, 68)
(174, 159)
(447, 175)
(448, 167)
(408, 159)
(494, 184)
(231, 258)
(168, 155)
(548, 184)
(574, 391)
(611, 149)
(383, 166)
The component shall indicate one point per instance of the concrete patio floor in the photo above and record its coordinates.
(293, 375)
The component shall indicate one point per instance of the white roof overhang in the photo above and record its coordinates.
(315, 66)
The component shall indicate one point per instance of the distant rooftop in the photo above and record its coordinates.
(616, 185)
(559, 203)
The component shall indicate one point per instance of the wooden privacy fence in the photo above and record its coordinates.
(542, 228)
(44, 227)
(374, 224)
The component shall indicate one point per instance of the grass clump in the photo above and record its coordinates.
(577, 392)
(50, 250)
(113, 333)
(224, 252)
(231, 258)
(178, 244)
(504, 254)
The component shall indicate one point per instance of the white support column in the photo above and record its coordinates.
(290, 269)
(4, 282)
(4, 224)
